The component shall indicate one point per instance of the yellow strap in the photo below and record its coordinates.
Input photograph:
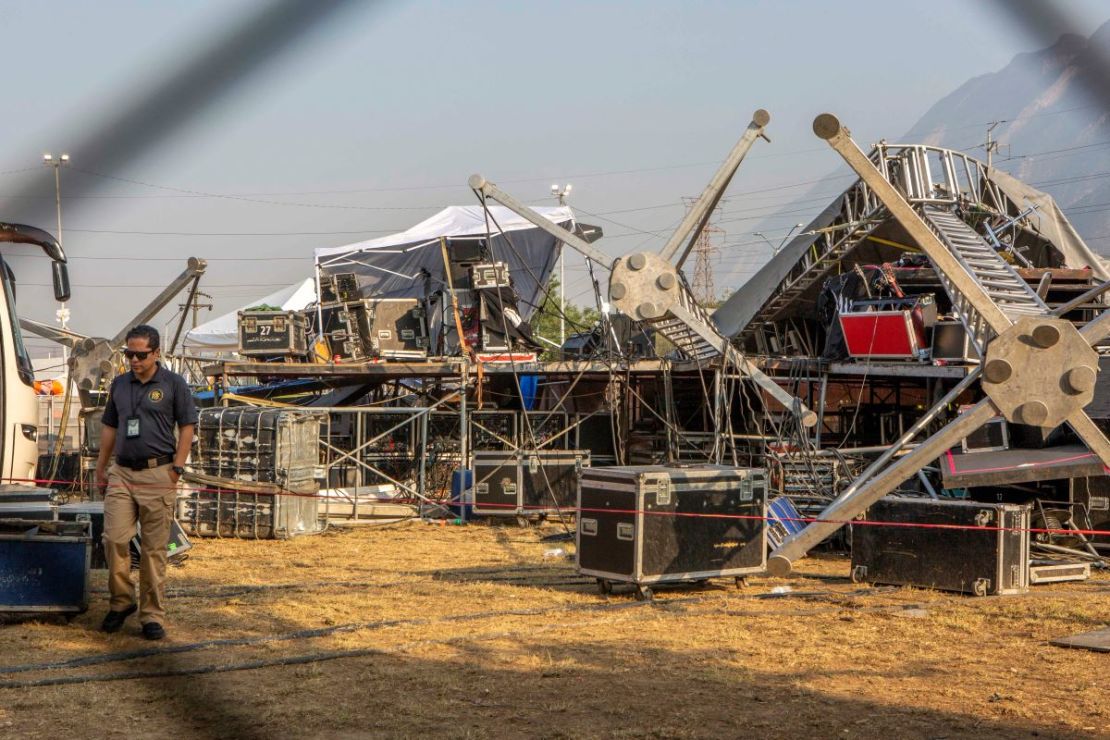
(256, 401)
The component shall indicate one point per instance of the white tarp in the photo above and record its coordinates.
(411, 264)
(451, 222)
(222, 334)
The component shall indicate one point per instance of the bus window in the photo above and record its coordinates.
(23, 360)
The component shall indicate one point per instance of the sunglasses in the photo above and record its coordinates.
(133, 355)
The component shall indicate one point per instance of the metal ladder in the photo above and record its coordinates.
(692, 344)
(986, 266)
(816, 268)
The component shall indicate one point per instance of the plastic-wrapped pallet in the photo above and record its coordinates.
(253, 474)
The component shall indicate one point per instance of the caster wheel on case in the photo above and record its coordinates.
(644, 593)
(741, 582)
(702, 583)
(604, 587)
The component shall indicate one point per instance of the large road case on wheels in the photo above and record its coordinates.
(649, 524)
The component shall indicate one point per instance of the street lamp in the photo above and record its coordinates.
(561, 194)
(57, 163)
(774, 249)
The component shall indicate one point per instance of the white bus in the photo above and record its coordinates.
(18, 406)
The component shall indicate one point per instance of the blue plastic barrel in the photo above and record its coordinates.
(462, 498)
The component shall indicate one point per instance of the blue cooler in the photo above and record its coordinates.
(44, 566)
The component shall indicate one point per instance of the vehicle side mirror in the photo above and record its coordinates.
(61, 281)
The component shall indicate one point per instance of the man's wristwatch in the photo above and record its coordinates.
(178, 469)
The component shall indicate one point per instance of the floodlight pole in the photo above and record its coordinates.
(57, 163)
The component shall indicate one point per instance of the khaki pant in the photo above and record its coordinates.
(145, 496)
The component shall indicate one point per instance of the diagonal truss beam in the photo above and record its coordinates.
(695, 221)
(193, 272)
(839, 138)
(487, 189)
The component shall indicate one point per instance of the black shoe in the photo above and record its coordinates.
(114, 620)
(153, 631)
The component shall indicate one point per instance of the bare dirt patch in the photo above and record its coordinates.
(478, 631)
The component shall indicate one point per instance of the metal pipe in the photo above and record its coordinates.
(1079, 300)
(572, 240)
(913, 431)
(872, 485)
(694, 223)
(827, 127)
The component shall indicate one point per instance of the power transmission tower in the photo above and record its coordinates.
(706, 251)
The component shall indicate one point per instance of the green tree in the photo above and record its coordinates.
(545, 322)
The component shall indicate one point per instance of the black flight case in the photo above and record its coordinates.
(527, 483)
(649, 524)
(986, 552)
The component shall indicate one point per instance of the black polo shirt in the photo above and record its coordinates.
(159, 403)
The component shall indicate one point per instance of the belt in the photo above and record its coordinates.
(144, 464)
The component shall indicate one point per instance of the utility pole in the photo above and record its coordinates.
(992, 143)
(57, 163)
(195, 305)
(561, 194)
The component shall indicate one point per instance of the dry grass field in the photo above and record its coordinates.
(479, 631)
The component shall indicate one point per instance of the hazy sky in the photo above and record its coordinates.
(374, 120)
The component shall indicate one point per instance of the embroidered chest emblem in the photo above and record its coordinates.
(155, 395)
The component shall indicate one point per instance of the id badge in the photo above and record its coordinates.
(132, 430)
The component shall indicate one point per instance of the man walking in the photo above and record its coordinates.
(138, 428)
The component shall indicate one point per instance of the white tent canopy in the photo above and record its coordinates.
(222, 334)
(451, 222)
(410, 264)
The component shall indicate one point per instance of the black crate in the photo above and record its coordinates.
(346, 329)
(527, 482)
(397, 328)
(594, 432)
(339, 288)
(493, 430)
(546, 430)
(272, 333)
(986, 553)
(951, 343)
(648, 524)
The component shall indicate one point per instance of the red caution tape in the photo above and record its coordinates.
(683, 514)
